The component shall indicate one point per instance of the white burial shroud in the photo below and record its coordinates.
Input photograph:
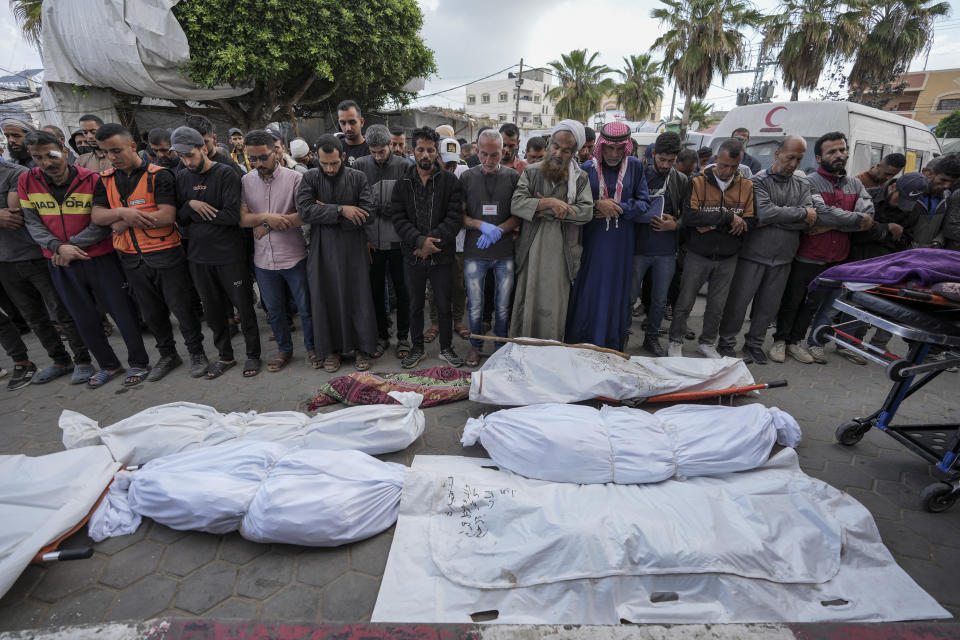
(523, 374)
(182, 426)
(575, 443)
(767, 545)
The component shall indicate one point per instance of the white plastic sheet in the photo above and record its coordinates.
(43, 498)
(574, 443)
(271, 492)
(439, 582)
(114, 517)
(522, 374)
(183, 426)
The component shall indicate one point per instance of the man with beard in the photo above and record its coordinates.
(268, 205)
(600, 302)
(883, 171)
(427, 212)
(159, 141)
(138, 202)
(336, 201)
(57, 200)
(555, 200)
(536, 149)
(351, 124)
(383, 169)
(586, 151)
(209, 196)
(511, 145)
(216, 152)
(398, 142)
(238, 150)
(15, 129)
(821, 248)
(95, 159)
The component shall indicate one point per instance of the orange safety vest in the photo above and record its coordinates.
(141, 198)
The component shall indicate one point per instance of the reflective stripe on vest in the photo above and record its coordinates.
(142, 198)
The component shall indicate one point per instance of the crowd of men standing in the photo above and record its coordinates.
(358, 227)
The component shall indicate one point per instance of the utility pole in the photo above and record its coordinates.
(519, 83)
(673, 102)
(757, 89)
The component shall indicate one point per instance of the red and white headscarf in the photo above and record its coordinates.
(612, 133)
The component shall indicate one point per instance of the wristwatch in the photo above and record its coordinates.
(266, 225)
(339, 209)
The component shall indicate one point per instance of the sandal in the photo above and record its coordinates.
(135, 376)
(472, 359)
(431, 334)
(362, 362)
(220, 367)
(462, 331)
(279, 361)
(331, 364)
(402, 350)
(251, 367)
(101, 378)
(382, 345)
(314, 359)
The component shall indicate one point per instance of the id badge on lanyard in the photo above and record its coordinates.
(489, 209)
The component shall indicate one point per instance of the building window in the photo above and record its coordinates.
(536, 98)
(485, 98)
(502, 97)
(471, 99)
(949, 104)
(905, 106)
(553, 122)
(503, 117)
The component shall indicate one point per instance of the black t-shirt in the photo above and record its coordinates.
(354, 151)
(164, 192)
(218, 241)
(59, 191)
(480, 189)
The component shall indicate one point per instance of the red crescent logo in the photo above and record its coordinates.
(770, 115)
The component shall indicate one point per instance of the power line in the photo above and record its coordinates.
(460, 86)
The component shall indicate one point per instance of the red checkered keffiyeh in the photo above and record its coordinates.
(612, 133)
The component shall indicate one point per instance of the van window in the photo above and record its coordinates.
(866, 155)
(762, 148)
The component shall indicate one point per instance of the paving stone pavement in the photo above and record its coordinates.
(161, 572)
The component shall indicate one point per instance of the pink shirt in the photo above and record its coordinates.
(278, 249)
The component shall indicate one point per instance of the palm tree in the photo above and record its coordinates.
(580, 85)
(811, 34)
(641, 88)
(700, 113)
(895, 32)
(27, 14)
(702, 38)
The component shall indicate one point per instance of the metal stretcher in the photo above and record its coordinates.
(929, 324)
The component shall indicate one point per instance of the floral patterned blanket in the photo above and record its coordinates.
(437, 385)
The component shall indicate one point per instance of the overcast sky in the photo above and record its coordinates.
(472, 40)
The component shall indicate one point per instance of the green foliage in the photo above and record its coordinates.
(700, 113)
(27, 15)
(304, 53)
(641, 88)
(580, 85)
(949, 127)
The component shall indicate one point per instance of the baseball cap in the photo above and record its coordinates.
(449, 150)
(233, 131)
(910, 186)
(299, 148)
(445, 130)
(184, 139)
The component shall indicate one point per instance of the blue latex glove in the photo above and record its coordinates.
(483, 242)
(491, 232)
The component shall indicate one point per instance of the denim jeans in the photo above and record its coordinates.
(661, 269)
(271, 292)
(474, 276)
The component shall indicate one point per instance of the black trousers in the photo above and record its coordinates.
(159, 292)
(221, 288)
(797, 306)
(384, 261)
(441, 280)
(31, 290)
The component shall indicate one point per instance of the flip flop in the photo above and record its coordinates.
(279, 361)
(462, 331)
(315, 361)
(331, 364)
(135, 376)
(219, 367)
(251, 367)
(472, 359)
(362, 362)
(402, 349)
(101, 378)
(382, 345)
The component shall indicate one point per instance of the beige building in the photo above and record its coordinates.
(928, 96)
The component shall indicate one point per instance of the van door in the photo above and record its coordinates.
(873, 133)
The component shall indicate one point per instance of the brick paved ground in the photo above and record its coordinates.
(159, 571)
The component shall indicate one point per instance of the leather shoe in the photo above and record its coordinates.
(164, 365)
(756, 354)
(652, 346)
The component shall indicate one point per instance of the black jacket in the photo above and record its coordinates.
(434, 210)
(877, 241)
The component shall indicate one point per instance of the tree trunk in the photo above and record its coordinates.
(685, 118)
(795, 94)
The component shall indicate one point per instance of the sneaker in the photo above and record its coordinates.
(413, 358)
(652, 346)
(799, 353)
(778, 352)
(709, 351)
(855, 358)
(450, 356)
(675, 350)
(755, 354)
(164, 365)
(818, 354)
(727, 352)
(3, 373)
(22, 376)
(198, 365)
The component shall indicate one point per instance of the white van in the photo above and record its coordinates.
(871, 133)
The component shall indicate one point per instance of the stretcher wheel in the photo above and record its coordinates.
(938, 497)
(850, 433)
(895, 370)
(820, 334)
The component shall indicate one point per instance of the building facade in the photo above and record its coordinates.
(928, 96)
(497, 99)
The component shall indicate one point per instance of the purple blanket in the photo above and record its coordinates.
(927, 266)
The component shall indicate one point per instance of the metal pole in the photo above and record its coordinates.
(516, 110)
